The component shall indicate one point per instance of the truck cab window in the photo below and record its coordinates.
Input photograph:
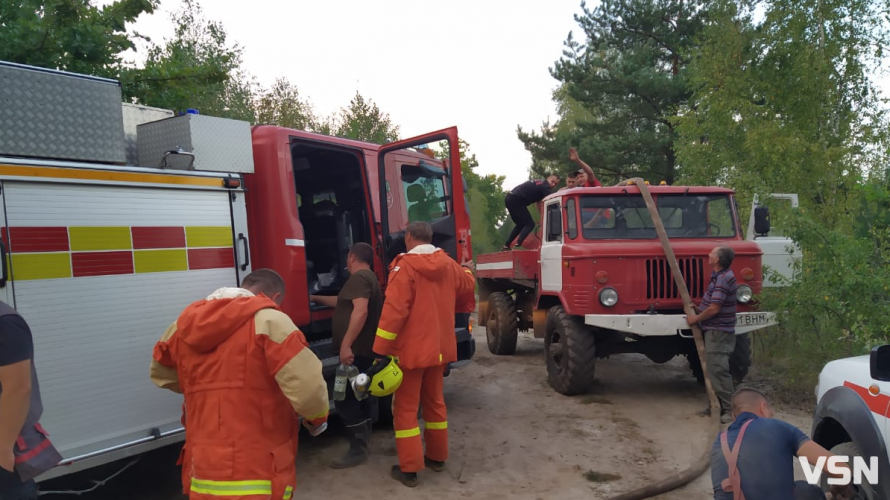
(554, 223)
(571, 219)
(424, 190)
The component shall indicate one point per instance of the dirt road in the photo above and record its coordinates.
(512, 436)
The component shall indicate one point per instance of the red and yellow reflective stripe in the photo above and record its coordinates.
(436, 426)
(385, 334)
(231, 488)
(79, 251)
(288, 492)
(407, 433)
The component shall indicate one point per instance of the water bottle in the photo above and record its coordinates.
(361, 386)
(340, 381)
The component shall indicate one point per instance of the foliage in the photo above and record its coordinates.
(362, 120)
(283, 105)
(195, 69)
(71, 35)
(619, 88)
(485, 195)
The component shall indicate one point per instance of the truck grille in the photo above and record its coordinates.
(660, 282)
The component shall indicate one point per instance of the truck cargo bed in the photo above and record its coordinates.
(514, 265)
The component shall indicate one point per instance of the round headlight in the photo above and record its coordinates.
(744, 294)
(608, 297)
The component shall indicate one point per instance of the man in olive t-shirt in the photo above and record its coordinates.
(356, 313)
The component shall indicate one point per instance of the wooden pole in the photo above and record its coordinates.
(701, 465)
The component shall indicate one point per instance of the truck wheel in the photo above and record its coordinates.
(740, 360)
(695, 365)
(502, 327)
(570, 349)
(850, 449)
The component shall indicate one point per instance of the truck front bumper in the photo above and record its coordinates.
(666, 325)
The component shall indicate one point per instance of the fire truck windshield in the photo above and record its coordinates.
(683, 216)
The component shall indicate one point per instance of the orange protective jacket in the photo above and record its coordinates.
(426, 288)
(247, 374)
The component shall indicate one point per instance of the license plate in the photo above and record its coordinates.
(748, 319)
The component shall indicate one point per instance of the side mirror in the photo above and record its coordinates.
(880, 363)
(761, 221)
(554, 225)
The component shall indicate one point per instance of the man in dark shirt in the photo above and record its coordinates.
(717, 320)
(356, 314)
(517, 202)
(16, 353)
(765, 461)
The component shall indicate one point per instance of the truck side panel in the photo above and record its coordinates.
(99, 272)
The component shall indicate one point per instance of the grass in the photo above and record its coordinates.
(600, 477)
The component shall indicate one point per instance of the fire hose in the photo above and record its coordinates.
(701, 465)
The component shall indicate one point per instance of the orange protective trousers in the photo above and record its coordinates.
(420, 386)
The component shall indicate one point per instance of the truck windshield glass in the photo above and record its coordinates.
(683, 216)
(424, 190)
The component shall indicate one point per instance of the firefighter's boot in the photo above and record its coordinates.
(359, 440)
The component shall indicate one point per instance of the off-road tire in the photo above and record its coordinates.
(695, 366)
(740, 359)
(850, 449)
(502, 328)
(570, 365)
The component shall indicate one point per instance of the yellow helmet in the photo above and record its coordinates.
(386, 377)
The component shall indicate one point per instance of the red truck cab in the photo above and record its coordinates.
(598, 274)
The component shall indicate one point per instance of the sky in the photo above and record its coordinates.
(482, 66)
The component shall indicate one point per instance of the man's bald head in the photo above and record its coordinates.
(751, 400)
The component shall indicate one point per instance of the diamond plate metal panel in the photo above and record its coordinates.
(219, 144)
(135, 115)
(59, 115)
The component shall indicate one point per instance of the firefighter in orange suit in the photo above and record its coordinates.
(426, 288)
(247, 374)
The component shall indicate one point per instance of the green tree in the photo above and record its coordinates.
(362, 120)
(70, 35)
(619, 90)
(197, 68)
(485, 195)
(283, 105)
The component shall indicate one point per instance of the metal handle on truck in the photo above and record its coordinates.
(243, 239)
(3, 264)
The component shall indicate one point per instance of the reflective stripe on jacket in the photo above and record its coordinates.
(425, 289)
(246, 373)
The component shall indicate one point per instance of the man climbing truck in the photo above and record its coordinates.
(600, 283)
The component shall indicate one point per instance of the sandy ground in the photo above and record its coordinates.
(512, 436)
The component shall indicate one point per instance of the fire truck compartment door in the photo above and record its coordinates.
(551, 248)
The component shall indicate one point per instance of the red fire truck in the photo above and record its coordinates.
(114, 217)
(596, 281)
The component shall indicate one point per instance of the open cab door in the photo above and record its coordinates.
(780, 253)
(420, 180)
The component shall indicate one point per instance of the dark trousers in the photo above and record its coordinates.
(806, 491)
(353, 411)
(525, 224)
(12, 488)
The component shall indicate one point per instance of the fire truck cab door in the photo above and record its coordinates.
(421, 178)
(551, 247)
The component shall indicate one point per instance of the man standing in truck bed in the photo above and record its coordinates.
(356, 313)
(426, 288)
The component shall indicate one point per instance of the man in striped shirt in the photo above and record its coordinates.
(716, 317)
